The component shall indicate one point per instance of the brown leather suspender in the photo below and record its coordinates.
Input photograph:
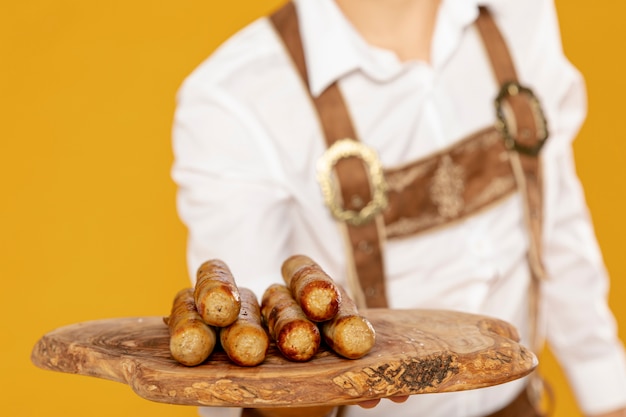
(455, 183)
(525, 139)
(355, 185)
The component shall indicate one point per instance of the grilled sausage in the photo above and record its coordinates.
(297, 338)
(313, 289)
(349, 334)
(246, 341)
(191, 340)
(216, 294)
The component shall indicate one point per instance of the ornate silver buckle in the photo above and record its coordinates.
(345, 148)
(511, 89)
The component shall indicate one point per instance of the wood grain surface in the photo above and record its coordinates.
(416, 351)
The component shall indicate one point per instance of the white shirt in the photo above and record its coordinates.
(246, 144)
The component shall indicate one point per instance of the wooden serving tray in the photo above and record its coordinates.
(416, 351)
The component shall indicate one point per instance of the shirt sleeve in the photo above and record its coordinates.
(581, 329)
(231, 195)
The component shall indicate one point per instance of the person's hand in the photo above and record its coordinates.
(397, 399)
(617, 413)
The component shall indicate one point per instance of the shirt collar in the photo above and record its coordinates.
(328, 52)
(333, 47)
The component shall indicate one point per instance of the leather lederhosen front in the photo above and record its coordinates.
(478, 171)
(374, 203)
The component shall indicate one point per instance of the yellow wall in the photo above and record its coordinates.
(87, 222)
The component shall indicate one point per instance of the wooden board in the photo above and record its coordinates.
(416, 351)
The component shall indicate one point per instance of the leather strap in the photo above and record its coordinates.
(527, 167)
(448, 186)
(351, 173)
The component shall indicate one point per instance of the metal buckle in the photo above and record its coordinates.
(511, 89)
(346, 148)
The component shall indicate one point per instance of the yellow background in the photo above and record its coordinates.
(87, 222)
